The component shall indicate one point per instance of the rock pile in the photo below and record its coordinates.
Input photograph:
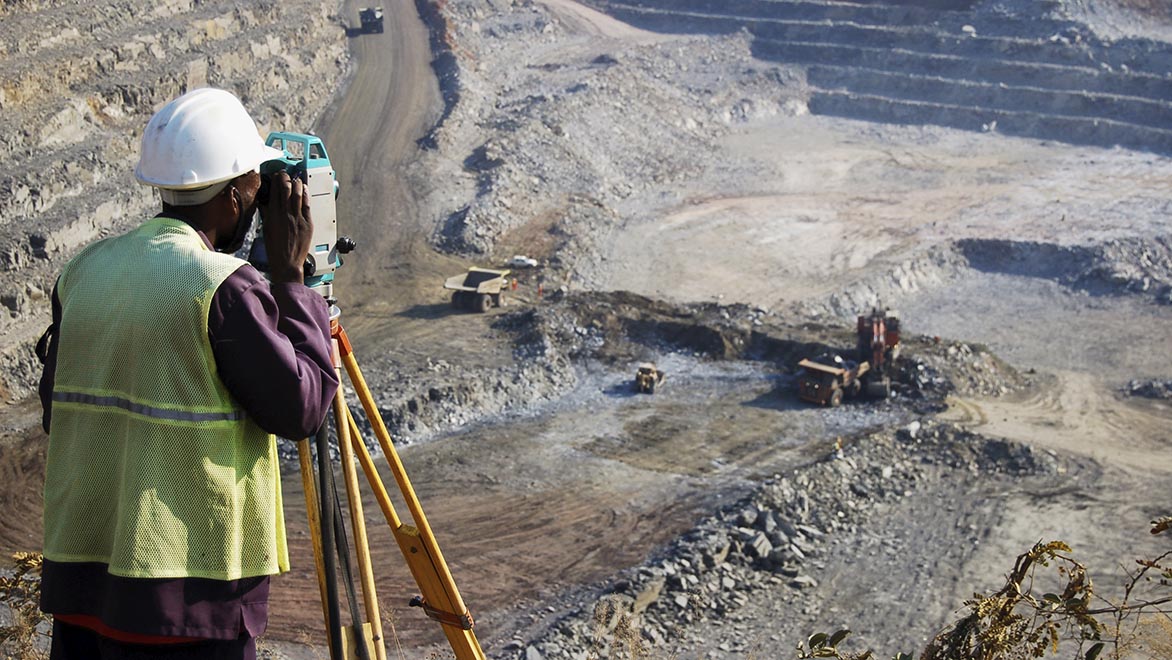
(1138, 266)
(942, 367)
(1134, 266)
(774, 539)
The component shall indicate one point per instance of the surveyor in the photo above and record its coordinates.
(169, 367)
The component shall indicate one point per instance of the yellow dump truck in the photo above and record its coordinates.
(648, 378)
(478, 290)
(826, 381)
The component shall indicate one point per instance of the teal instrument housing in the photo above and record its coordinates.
(299, 147)
(306, 156)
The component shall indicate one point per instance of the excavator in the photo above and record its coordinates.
(828, 378)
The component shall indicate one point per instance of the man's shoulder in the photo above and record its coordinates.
(246, 276)
(243, 282)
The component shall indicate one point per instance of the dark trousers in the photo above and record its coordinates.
(77, 643)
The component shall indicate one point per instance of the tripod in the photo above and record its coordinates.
(439, 597)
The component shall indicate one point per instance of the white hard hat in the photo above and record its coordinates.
(200, 139)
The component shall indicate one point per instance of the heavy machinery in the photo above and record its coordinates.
(648, 378)
(371, 18)
(878, 344)
(828, 378)
(478, 290)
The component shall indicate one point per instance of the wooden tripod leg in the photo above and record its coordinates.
(441, 599)
(354, 498)
(312, 509)
(422, 565)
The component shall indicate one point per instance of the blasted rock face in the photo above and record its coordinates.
(75, 102)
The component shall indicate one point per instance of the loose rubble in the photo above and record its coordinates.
(1139, 266)
(776, 539)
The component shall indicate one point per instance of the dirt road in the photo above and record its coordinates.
(370, 131)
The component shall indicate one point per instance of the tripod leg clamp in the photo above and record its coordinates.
(462, 621)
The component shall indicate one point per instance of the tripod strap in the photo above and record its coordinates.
(325, 498)
(343, 548)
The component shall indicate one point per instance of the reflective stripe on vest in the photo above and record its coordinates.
(147, 411)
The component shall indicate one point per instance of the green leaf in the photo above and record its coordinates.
(837, 637)
(816, 640)
(1094, 651)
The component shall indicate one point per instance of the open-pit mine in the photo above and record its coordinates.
(718, 189)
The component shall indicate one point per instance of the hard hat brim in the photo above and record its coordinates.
(267, 153)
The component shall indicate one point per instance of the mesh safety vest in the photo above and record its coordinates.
(153, 468)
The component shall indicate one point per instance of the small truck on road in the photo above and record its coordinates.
(371, 18)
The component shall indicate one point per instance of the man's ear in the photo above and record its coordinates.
(234, 199)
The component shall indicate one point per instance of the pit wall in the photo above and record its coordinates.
(80, 83)
(1017, 68)
(1137, 267)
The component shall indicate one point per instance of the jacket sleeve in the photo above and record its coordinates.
(47, 352)
(271, 343)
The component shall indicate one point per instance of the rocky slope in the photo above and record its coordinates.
(576, 130)
(81, 80)
(714, 592)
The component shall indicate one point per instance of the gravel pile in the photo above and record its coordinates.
(775, 540)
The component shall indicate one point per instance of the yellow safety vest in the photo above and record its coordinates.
(153, 468)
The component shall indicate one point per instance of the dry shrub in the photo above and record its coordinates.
(616, 631)
(21, 594)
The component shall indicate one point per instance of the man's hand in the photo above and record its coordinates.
(288, 229)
